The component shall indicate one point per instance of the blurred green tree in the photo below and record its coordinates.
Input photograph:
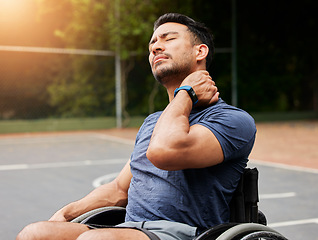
(85, 84)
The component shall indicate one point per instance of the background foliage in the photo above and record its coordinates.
(277, 64)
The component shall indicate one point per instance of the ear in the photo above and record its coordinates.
(202, 52)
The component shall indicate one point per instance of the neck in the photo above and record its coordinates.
(175, 81)
(172, 83)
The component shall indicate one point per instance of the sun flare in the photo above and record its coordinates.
(12, 10)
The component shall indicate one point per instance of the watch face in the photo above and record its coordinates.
(193, 96)
(190, 91)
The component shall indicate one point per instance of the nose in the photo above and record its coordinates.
(157, 47)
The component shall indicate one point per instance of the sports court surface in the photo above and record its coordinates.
(42, 172)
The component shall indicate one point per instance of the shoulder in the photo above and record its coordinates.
(148, 125)
(224, 114)
(233, 127)
(152, 118)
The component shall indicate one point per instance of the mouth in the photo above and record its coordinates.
(159, 58)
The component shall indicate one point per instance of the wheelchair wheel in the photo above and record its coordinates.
(250, 231)
(242, 231)
(264, 235)
(213, 232)
(103, 216)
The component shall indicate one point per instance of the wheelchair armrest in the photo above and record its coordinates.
(103, 216)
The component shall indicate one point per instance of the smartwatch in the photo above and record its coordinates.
(190, 91)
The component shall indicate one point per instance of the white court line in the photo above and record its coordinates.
(277, 195)
(66, 138)
(284, 166)
(104, 179)
(62, 164)
(292, 223)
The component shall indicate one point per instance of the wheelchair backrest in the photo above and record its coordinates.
(244, 204)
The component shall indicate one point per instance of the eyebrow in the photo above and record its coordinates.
(164, 35)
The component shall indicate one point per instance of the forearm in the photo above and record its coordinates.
(174, 120)
(171, 131)
(173, 125)
(105, 195)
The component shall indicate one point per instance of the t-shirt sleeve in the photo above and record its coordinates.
(235, 130)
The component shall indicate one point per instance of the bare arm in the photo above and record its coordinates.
(174, 144)
(114, 193)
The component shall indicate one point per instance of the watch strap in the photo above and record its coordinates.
(190, 91)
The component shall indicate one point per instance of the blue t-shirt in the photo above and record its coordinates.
(197, 197)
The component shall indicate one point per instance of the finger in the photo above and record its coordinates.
(204, 72)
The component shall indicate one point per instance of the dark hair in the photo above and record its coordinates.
(199, 30)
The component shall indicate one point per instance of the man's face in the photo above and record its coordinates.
(171, 52)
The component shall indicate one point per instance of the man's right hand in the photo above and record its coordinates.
(63, 215)
(58, 218)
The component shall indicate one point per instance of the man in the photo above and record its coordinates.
(187, 159)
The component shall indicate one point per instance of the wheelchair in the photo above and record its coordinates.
(247, 222)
